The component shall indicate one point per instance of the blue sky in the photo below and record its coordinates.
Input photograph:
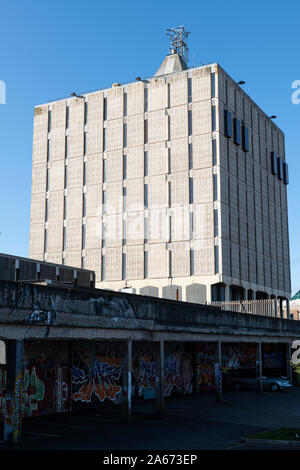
(50, 49)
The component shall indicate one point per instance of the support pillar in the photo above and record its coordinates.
(218, 371)
(288, 358)
(127, 382)
(226, 291)
(280, 307)
(259, 368)
(287, 302)
(160, 377)
(14, 384)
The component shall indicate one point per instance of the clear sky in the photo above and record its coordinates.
(50, 49)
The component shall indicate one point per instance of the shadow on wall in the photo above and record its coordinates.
(196, 293)
(149, 290)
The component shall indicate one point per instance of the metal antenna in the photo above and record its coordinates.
(178, 36)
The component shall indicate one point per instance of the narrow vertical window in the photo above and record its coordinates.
(103, 268)
(190, 156)
(104, 201)
(125, 104)
(65, 207)
(85, 143)
(49, 120)
(124, 135)
(83, 205)
(124, 167)
(213, 85)
(170, 263)
(67, 116)
(145, 163)
(84, 174)
(169, 193)
(191, 190)
(216, 223)
(216, 249)
(213, 118)
(170, 228)
(82, 262)
(191, 225)
(66, 146)
(83, 237)
(85, 112)
(124, 199)
(145, 264)
(245, 138)
(66, 177)
(64, 238)
(189, 90)
(46, 211)
(124, 238)
(123, 265)
(192, 262)
(146, 230)
(214, 151)
(47, 179)
(146, 195)
(190, 122)
(215, 185)
(103, 235)
(146, 131)
(45, 241)
(104, 109)
(104, 170)
(146, 99)
(48, 149)
(104, 139)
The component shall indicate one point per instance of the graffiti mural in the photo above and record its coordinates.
(205, 366)
(97, 372)
(178, 369)
(238, 355)
(143, 371)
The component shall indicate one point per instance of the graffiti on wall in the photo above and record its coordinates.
(239, 355)
(2, 389)
(143, 371)
(205, 366)
(178, 369)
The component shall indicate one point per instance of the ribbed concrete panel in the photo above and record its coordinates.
(113, 264)
(255, 118)
(225, 221)
(57, 175)
(243, 230)
(75, 172)
(40, 135)
(250, 202)
(271, 179)
(157, 94)
(135, 228)
(252, 266)
(74, 203)
(258, 213)
(93, 261)
(203, 186)
(76, 126)
(286, 272)
(178, 122)
(225, 258)
(94, 169)
(260, 270)
(230, 94)
(178, 89)
(273, 245)
(249, 172)
(135, 99)
(255, 149)
(135, 195)
(93, 236)
(244, 263)
(232, 158)
(233, 187)
(242, 197)
(221, 84)
(204, 257)
(180, 223)
(223, 178)
(179, 156)
(158, 227)
(201, 84)
(223, 142)
(251, 234)
(277, 185)
(234, 225)
(54, 257)
(73, 258)
(202, 151)
(266, 241)
(55, 237)
(94, 200)
(114, 134)
(157, 126)
(247, 111)
(180, 259)
(241, 165)
(135, 130)
(157, 159)
(58, 134)
(283, 198)
(201, 117)
(179, 188)
(158, 191)
(262, 120)
(279, 247)
(204, 221)
(235, 260)
(274, 275)
(239, 103)
(95, 124)
(38, 184)
(158, 261)
(38, 204)
(36, 241)
(257, 180)
(259, 238)
(135, 262)
(56, 205)
(267, 265)
(269, 134)
(113, 230)
(135, 162)
(263, 154)
(115, 100)
(73, 235)
(114, 166)
(114, 198)
(264, 183)
(272, 216)
(280, 276)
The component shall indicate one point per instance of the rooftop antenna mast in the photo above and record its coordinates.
(178, 36)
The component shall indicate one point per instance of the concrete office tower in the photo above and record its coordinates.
(174, 186)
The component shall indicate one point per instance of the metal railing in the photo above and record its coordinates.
(266, 307)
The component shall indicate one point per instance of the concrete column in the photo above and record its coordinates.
(160, 377)
(259, 368)
(218, 371)
(280, 307)
(208, 294)
(226, 291)
(287, 309)
(14, 384)
(127, 382)
(289, 369)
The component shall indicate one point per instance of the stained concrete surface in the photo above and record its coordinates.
(190, 422)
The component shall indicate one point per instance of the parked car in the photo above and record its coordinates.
(246, 378)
